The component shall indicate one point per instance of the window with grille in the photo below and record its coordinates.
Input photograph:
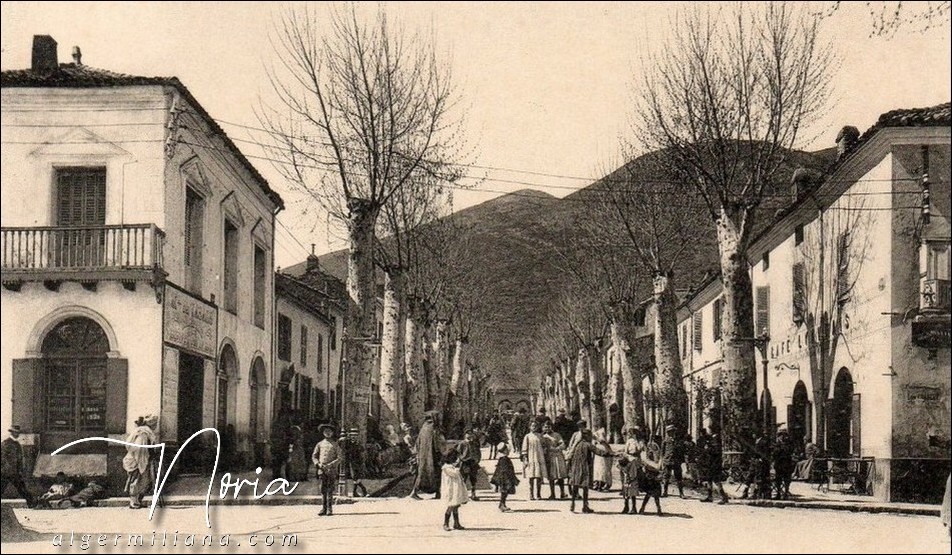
(230, 266)
(75, 355)
(762, 322)
(284, 338)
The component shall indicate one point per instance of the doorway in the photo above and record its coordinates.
(190, 403)
(843, 437)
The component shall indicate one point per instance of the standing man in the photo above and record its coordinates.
(672, 457)
(138, 460)
(783, 464)
(520, 427)
(563, 426)
(469, 457)
(11, 453)
(712, 464)
(327, 458)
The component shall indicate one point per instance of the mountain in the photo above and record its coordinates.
(513, 249)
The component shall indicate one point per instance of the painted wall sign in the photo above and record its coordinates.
(190, 323)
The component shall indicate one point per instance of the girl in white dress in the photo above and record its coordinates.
(453, 490)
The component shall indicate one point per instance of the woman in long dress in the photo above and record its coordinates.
(555, 459)
(602, 468)
(533, 460)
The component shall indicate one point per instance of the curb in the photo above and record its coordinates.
(852, 507)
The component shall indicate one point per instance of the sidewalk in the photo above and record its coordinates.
(806, 496)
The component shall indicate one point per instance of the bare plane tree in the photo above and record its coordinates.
(727, 101)
(361, 109)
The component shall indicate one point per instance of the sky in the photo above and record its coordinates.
(547, 87)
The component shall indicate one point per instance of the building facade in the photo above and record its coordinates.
(851, 301)
(137, 250)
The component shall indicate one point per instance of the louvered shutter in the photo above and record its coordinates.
(799, 293)
(697, 339)
(763, 311)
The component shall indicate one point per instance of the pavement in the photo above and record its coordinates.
(401, 525)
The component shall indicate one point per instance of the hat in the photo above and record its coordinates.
(323, 427)
(502, 447)
(150, 420)
(15, 430)
(581, 424)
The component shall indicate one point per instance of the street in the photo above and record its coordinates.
(402, 525)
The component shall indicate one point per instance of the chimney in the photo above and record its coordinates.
(313, 264)
(846, 140)
(77, 56)
(44, 53)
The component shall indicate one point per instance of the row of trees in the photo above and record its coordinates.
(366, 125)
(718, 111)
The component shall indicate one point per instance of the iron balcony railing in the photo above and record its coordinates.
(65, 250)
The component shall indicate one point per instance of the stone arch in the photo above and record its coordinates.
(34, 344)
(504, 404)
(840, 421)
(226, 386)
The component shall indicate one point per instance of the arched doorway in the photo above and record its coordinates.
(74, 374)
(841, 442)
(800, 416)
(257, 402)
(227, 374)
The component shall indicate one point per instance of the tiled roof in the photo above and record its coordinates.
(933, 116)
(83, 76)
(314, 290)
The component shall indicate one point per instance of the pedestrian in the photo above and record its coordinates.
(784, 464)
(759, 467)
(520, 427)
(534, 460)
(467, 451)
(690, 459)
(672, 457)
(495, 434)
(297, 456)
(580, 428)
(11, 466)
(138, 460)
(504, 478)
(429, 452)
(649, 475)
(564, 426)
(541, 418)
(327, 457)
(580, 467)
(454, 491)
(712, 465)
(602, 467)
(556, 465)
(280, 443)
(631, 457)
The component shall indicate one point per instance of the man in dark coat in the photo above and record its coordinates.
(520, 427)
(429, 450)
(11, 457)
(563, 426)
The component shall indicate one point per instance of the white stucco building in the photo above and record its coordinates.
(137, 263)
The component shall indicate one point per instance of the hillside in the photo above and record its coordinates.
(513, 253)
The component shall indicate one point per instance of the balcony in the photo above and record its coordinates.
(124, 253)
(935, 295)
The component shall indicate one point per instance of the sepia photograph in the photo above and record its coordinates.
(469, 277)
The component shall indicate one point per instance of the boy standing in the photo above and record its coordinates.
(327, 459)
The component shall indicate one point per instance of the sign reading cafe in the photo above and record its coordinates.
(190, 323)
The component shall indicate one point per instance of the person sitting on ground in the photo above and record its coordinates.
(88, 496)
(61, 489)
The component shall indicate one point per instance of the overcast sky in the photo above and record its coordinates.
(547, 85)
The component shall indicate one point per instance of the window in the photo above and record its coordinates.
(937, 260)
(696, 338)
(80, 204)
(320, 353)
(799, 293)
(75, 355)
(640, 316)
(766, 261)
(333, 335)
(303, 345)
(194, 224)
(284, 338)
(762, 323)
(718, 316)
(261, 278)
(230, 267)
(798, 234)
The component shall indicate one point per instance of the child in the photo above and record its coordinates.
(504, 478)
(649, 476)
(327, 459)
(453, 489)
(629, 484)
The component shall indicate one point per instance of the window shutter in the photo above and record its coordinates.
(842, 267)
(763, 310)
(698, 322)
(117, 395)
(718, 316)
(27, 390)
(799, 293)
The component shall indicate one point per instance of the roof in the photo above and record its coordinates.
(82, 76)
(311, 298)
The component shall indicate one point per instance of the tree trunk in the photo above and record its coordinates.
(571, 386)
(739, 379)
(613, 389)
(596, 383)
(455, 405)
(633, 401)
(415, 378)
(670, 374)
(361, 219)
(584, 391)
(391, 351)
(441, 365)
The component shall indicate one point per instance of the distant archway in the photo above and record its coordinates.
(840, 440)
(800, 416)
